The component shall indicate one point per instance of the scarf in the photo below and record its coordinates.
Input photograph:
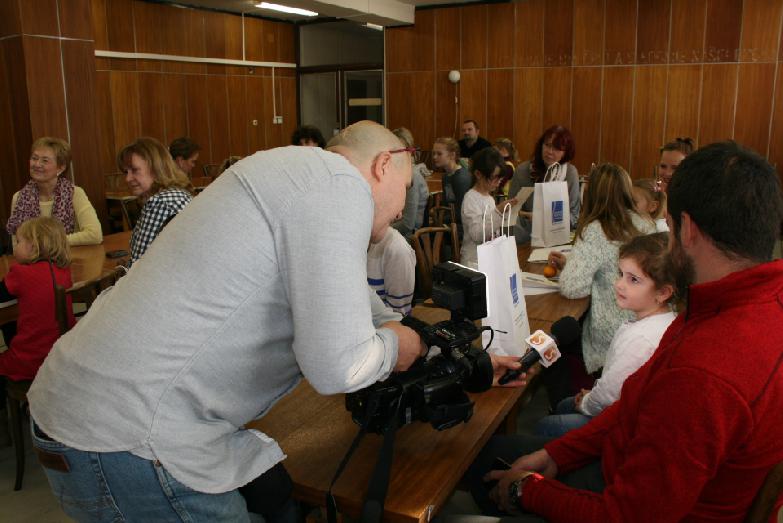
(28, 205)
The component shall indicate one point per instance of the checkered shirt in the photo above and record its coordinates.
(155, 214)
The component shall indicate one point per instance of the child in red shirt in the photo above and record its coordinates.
(44, 258)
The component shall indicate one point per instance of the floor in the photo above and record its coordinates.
(35, 502)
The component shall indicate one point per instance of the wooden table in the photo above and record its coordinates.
(88, 262)
(315, 432)
(547, 307)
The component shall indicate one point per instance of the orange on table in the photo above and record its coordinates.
(550, 271)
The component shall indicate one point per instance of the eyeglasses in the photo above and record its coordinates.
(411, 150)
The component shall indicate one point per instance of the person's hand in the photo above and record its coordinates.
(499, 493)
(557, 259)
(409, 345)
(501, 364)
(579, 397)
(502, 205)
(539, 461)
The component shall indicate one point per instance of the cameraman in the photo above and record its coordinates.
(140, 410)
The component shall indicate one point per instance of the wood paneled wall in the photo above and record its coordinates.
(624, 75)
(52, 84)
(227, 110)
(47, 89)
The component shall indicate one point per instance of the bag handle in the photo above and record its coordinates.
(506, 207)
(484, 225)
(553, 173)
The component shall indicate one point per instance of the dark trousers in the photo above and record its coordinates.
(510, 448)
(270, 495)
(567, 376)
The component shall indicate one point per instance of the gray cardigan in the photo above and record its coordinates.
(236, 299)
(591, 270)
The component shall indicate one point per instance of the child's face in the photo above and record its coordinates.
(23, 250)
(634, 290)
(643, 204)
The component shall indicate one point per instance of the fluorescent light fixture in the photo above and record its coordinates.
(374, 26)
(286, 9)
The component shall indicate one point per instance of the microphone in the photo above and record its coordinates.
(545, 348)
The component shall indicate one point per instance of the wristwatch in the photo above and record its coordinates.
(515, 492)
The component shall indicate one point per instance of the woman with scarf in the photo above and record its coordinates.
(50, 192)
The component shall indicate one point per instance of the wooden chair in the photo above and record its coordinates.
(116, 191)
(210, 170)
(442, 215)
(430, 247)
(200, 183)
(764, 502)
(88, 291)
(16, 392)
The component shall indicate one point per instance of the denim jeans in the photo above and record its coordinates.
(565, 418)
(118, 487)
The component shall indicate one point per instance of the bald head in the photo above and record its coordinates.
(363, 141)
(367, 146)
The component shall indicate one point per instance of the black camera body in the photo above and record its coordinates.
(433, 390)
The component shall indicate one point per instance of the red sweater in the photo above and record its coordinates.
(697, 428)
(37, 328)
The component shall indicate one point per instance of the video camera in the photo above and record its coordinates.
(433, 390)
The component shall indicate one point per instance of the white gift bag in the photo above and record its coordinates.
(551, 209)
(506, 308)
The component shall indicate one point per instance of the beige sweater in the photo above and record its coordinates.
(88, 228)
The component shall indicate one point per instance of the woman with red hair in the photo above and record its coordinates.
(556, 145)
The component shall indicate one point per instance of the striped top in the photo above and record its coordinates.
(391, 271)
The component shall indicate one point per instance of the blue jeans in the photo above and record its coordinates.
(565, 418)
(118, 486)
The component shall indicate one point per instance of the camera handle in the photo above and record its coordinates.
(374, 500)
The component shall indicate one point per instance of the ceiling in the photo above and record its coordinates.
(382, 12)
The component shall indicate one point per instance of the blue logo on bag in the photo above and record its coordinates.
(557, 211)
(514, 291)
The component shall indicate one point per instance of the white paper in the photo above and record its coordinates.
(522, 196)
(530, 279)
(534, 291)
(542, 255)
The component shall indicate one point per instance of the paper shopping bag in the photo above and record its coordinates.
(506, 309)
(551, 210)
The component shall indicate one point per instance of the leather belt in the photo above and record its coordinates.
(48, 459)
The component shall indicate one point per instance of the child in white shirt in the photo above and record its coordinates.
(481, 216)
(391, 271)
(645, 286)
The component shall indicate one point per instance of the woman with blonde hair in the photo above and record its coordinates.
(457, 180)
(608, 220)
(163, 189)
(50, 192)
(417, 194)
(672, 154)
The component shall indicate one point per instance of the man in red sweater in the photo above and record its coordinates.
(699, 426)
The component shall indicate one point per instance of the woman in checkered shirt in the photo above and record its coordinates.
(160, 185)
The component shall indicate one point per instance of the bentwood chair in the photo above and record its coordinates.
(16, 391)
(431, 248)
(88, 291)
